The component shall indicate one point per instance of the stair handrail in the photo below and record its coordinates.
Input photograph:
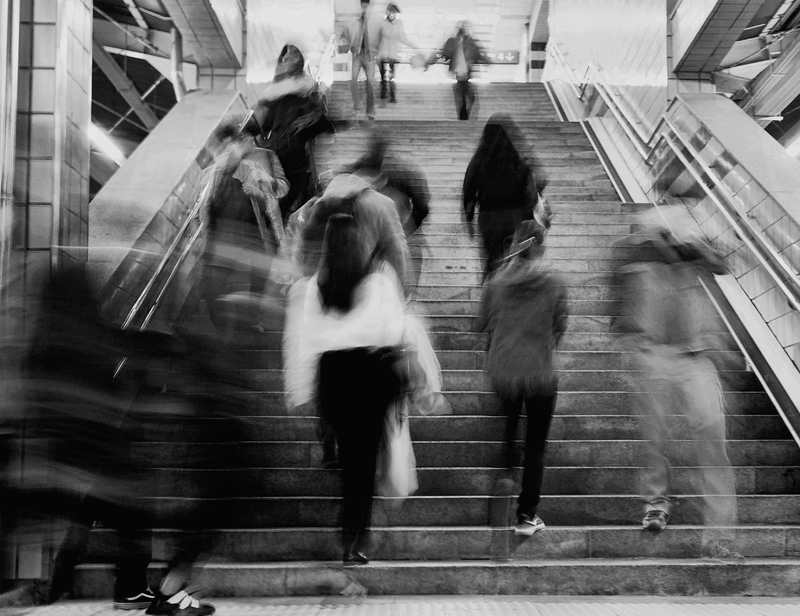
(786, 278)
(327, 55)
(192, 214)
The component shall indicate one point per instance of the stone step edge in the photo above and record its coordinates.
(635, 528)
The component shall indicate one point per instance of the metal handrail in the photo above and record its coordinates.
(743, 225)
(327, 55)
(137, 305)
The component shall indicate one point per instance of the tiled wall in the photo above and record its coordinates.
(52, 147)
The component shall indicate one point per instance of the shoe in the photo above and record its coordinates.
(136, 601)
(724, 553)
(370, 116)
(528, 524)
(393, 100)
(655, 520)
(353, 559)
(179, 604)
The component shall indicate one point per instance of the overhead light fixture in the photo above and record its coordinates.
(105, 145)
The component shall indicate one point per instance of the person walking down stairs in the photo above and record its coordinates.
(394, 33)
(667, 315)
(524, 309)
(363, 36)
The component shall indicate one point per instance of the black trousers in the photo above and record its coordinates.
(465, 98)
(386, 69)
(497, 231)
(539, 410)
(355, 389)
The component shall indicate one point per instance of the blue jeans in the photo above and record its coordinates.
(368, 64)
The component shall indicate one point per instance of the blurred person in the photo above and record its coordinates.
(75, 432)
(669, 321)
(500, 182)
(238, 240)
(462, 52)
(524, 310)
(404, 183)
(364, 36)
(290, 113)
(344, 326)
(375, 215)
(393, 34)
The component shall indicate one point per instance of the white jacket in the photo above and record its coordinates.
(375, 320)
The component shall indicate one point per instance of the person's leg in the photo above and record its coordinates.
(654, 401)
(539, 411)
(369, 71)
(463, 99)
(512, 405)
(383, 65)
(392, 64)
(706, 417)
(355, 69)
(469, 95)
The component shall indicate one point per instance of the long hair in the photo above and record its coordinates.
(497, 159)
(344, 263)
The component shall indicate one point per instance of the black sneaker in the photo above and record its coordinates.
(136, 601)
(179, 604)
(353, 559)
(655, 520)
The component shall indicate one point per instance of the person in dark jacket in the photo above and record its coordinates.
(524, 310)
(290, 113)
(462, 52)
(405, 183)
(501, 183)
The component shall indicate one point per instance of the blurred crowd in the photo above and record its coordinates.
(328, 267)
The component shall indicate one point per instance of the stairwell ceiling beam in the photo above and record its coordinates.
(136, 14)
(140, 39)
(123, 85)
(118, 115)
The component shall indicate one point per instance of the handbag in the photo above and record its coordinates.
(396, 466)
(425, 373)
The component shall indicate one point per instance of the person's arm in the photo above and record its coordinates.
(561, 312)
(403, 38)
(469, 193)
(482, 321)
(280, 185)
(391, 237)
(298, 363)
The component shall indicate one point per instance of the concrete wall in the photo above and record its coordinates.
(134, 218)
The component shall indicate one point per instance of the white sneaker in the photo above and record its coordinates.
(527, 525)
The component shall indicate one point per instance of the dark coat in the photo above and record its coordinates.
(524, 310)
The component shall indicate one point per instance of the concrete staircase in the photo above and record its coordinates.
(454, 536)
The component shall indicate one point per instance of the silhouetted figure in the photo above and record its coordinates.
(499, 181)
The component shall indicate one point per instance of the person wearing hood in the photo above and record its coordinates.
(290, 113)
(524, 310)
(375, 214)
(669, 322)
(501, 183)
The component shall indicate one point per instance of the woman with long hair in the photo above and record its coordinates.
(343, 329)
(500, 182)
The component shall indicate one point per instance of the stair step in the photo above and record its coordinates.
(478, 543)
(307, 454)
(754, 577)
(562, 510)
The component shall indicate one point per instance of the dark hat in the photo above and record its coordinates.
(393, 7)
